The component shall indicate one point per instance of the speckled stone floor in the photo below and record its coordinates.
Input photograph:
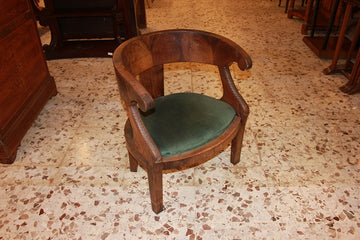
(299, 173)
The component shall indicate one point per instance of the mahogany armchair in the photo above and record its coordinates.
(182, 130)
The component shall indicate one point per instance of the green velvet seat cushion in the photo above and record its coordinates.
(184, 121)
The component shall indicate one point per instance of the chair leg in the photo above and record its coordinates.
(287, 6)
(155, 188)
(236, 145)
(291, 7)
(133, 163)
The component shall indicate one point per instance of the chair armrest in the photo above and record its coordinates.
(132, 90)
(244, 61)
(230, 93)
(227, 52)
(135, 96)
(139, 140)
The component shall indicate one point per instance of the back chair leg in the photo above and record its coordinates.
(133, 163)
(236, 145)
(156, 188)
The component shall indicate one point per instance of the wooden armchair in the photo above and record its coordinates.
(182, 130)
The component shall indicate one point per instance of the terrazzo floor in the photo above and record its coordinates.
(299, 173)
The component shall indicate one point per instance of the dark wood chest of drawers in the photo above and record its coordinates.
(25, 82)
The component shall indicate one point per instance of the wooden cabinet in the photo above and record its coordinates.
(90, 28)
(25, 82)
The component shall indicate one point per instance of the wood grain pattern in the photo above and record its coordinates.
(25, 82)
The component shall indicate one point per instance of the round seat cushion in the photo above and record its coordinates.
(184, 121)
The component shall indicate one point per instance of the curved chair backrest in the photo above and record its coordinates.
(158, 48)
(142, 53)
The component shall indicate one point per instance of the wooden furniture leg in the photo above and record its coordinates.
(236, 145)
(353, 85)
(353, 45)
(287, 6)
(316, 12)
(333, 67)
(289, 13)
(304, 14)
(356, 87)
(331, 23)
(140, 13)
(155, 187)
(309, 6)
(133, 163)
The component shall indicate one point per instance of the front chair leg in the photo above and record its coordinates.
(155, 187)
(236, 145)
(133, 163)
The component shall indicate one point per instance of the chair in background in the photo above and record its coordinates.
(182, 130)
(85, 28)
